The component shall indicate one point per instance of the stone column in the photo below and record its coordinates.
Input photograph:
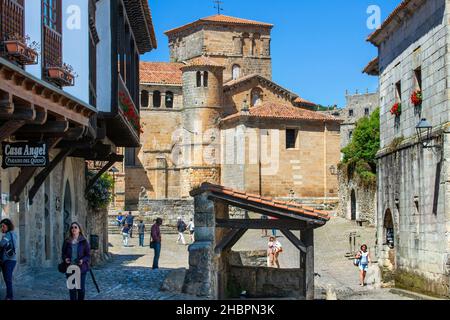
(163, 100)
(150, 99)
(161, 177)
(200, 279)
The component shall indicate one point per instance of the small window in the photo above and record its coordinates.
(350, 113)
(205, 79)
(366, 112)
(156, 99)
(418, 78)
(144, 99)
(291, 138)
(130, 157)
(256, 97)
(398, 91)
(199, 79)
(350, 135)
(236, 71)
(169, 99)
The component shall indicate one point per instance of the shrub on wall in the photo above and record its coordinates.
(360, 153)
(100, 195)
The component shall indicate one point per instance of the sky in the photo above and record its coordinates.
(319, 47)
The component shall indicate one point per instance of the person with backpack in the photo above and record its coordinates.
(8, 256)
(125, 234)
(191, 228)
(362, 261)
(77, 251)
(181, 227)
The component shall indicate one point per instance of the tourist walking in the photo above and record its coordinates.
(77, 251)
(8, 246)
(120, 220)
(363, 261)
(155, 243)
(125, 234)
(141, 231)
(130, 221)
(274, 248)
(264, 231)
(191, 228)
(181, 227)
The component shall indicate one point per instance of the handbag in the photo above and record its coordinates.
(152, 245)
(62, 267)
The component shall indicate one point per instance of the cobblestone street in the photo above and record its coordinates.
(128, 276)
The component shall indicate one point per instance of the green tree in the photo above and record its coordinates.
(360, 153)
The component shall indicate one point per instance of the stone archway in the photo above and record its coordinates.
(67, 209)
(353, 216)
(389, 236)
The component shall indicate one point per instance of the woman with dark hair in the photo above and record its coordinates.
(77, 251)
(363, 258)
(8, 257)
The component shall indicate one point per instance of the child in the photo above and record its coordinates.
(125, 234)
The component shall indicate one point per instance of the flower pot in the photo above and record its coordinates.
(15, 47)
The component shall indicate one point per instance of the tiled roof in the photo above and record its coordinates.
(271, 110)
(304, 102)
(404, 9)
(140, 18)
(265, 202)
(373, 67)
(202, 61)
(220, 19)
(230, 85)
(161, 73)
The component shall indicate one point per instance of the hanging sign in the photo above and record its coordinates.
(24, 154)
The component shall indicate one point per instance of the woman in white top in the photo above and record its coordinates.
(364, 260)
(191, 228)
(273, 251)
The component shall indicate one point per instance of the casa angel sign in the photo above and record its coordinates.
(24, 154)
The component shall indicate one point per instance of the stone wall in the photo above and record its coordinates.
(365, 198)
(168, 210)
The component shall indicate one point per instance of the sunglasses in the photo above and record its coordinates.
(74, 227)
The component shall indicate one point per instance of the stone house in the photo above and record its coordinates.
(413, 217)
(213, 114)
(357, 201)
(76, 118)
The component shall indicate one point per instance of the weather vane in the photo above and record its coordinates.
(218, 6)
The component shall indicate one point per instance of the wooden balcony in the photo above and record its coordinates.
(18, 50)
(12, 18)
(123, 128)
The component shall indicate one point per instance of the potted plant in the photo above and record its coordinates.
(63, 75)
(396, 109)
(21, 49)
(416, 98)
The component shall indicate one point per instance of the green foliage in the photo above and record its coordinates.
(360, 153)
(100, 195)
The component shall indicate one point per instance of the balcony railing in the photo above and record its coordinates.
(11, 18)
(127, 108)
(52, 48)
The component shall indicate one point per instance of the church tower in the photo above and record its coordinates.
(202, 106)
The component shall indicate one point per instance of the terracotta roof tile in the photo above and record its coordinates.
(266, 201)
(161, 73)
(271, 110)
(304, 102)
(220, 19)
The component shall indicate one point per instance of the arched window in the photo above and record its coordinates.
(199, 79)
(389, 229)
(169, 99)
(205, 79)
(256, 97)
(156, 99)
(256, 44)
(144, 99)
(236, 71)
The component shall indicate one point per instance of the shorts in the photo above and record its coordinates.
(191, 231)
(364, 267)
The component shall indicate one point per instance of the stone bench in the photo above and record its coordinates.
(361, 222)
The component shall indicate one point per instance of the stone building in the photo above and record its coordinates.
(357, 201)
(42, 101)
(213, 114)
(413, 217)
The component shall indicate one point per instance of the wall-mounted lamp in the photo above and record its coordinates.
(424, 130)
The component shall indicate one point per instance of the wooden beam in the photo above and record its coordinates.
(99, 174)
(230, 239)
(41, 116)
(48, 127)
(260, 224)
(42, 176)
(25, 175)
(307, 263)
(294, 240)
(21, 112)
(9, 128)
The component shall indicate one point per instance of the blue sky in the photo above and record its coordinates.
(319, 47)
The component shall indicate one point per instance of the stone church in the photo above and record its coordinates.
(214, 114)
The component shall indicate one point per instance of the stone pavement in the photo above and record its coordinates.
(128, 276)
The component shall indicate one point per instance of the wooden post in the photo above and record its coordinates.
(307, 263)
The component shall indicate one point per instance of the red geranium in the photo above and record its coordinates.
(396, 109)
(416, 98)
